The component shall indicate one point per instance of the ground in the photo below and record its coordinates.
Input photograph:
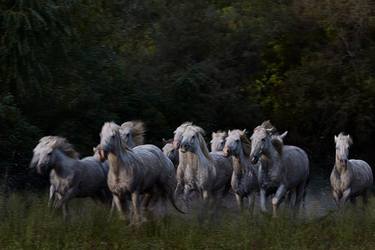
(27, 223)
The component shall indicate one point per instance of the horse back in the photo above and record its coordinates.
(296, 164)
(154, 165)
(362, 176)
(224, 169)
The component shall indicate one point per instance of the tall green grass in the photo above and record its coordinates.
(27, 223)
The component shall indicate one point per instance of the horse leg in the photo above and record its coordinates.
(112, 209)
(251, 198)
(345, 196)
(289, 202)
(281, 190)
(51, 196)
(186, 196)
(263, 198)
(117, 202)
(65, 211)
(336, 198)
(239, 200)
(136, 208)
(146, 201)
(300, 192)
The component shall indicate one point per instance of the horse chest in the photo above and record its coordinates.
(340, 182)
(63, 185)
(120, 183)
(270, 177)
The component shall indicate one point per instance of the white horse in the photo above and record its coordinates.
(201, 171)
(244, 180)
(283, 167)
(218, 141)
(69, 176)
(349, 178)
(141, 170)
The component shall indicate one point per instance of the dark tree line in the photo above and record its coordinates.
(67, 66)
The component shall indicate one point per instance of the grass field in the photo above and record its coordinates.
(27, 223)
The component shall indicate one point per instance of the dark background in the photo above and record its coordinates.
(68, 66)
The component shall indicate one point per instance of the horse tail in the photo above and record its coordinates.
(173, 201)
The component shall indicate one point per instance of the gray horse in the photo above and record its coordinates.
(178, 134)
(171, 147)
(218, 141)
(141, 170)
(283, 167)
(244, 180)
(198, 170)
(69, 176)
(132, 133)
(171, 152)
(349, 178)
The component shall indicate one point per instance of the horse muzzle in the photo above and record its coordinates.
(185, 147)
(176, 144)
(344, 162)
(103, 154)
(254, 159)
(226, 152)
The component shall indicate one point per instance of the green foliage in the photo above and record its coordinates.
(306, 65)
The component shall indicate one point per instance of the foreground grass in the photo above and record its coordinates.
(26, 223)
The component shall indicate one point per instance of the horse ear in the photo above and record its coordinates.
(350, 139)
(94, 149)
(284, 135)
(213, 134)
(269, 131)
(244, 131)
(336, 139)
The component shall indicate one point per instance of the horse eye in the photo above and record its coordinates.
(263, 140)
(49, 153)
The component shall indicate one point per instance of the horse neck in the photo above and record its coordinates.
(131, 143)
(63, 163)
(120, 159)
(272, 157)
(215, 147)
(241, 162)
(195, 160)
(339, 167)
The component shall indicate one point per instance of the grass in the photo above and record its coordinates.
(26, 223)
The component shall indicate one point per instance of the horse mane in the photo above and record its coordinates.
(219, 133)
(246, 144)
(183, 126)
(277, 143)
(202, 143)
(350, 139)
(169, 141)
(57, 142)
(137, 130)
(268, 126)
